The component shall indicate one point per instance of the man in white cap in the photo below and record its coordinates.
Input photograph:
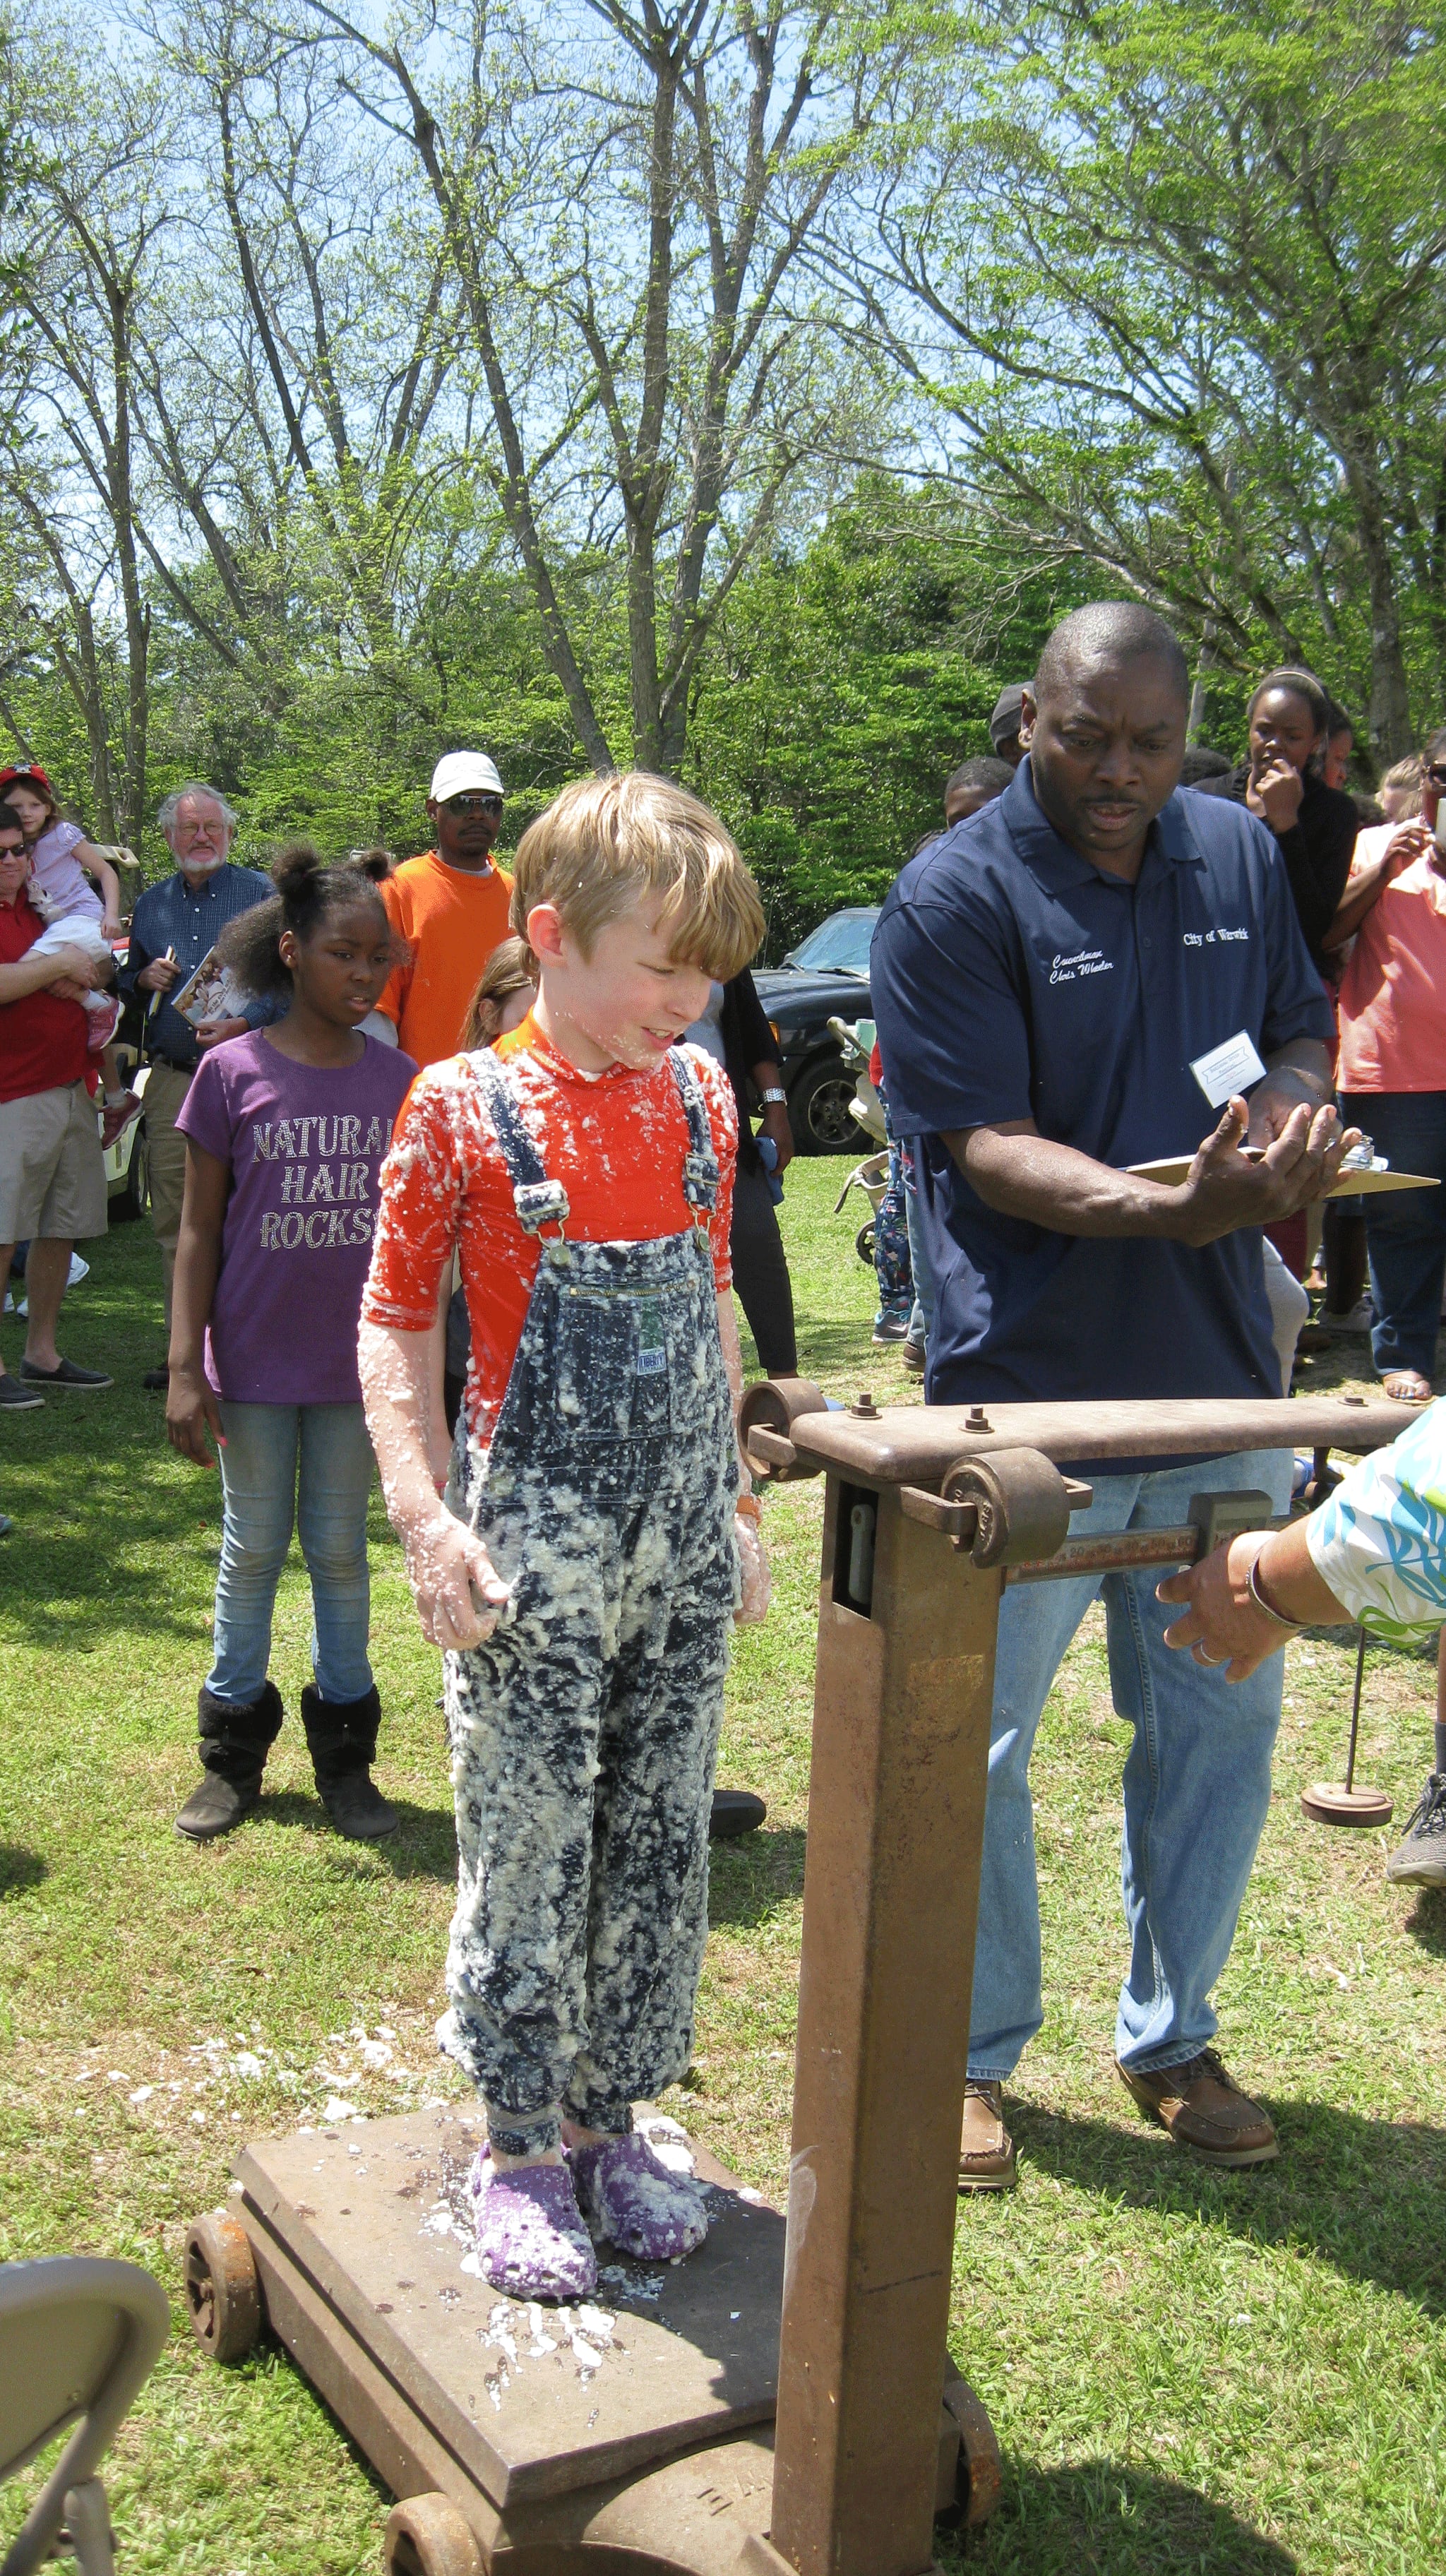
(450, 906)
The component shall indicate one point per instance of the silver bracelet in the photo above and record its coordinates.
(773, 1093)
(1291, 1627)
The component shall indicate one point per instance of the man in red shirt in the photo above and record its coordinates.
(52, 1179)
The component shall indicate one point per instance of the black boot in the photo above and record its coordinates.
(342, 1738)
(235, 1740)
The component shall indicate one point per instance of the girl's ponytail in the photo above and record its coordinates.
(307, 890)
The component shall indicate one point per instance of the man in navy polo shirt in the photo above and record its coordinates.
(1044, 976)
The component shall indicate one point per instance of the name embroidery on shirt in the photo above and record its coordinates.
(1208, 938)
(1086, 961)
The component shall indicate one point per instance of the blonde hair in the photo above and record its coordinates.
(606, 844)
(1405, 773)
(510, 969)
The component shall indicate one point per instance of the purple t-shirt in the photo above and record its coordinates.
(305, 1145)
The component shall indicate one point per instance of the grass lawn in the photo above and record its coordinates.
(1187, 2371)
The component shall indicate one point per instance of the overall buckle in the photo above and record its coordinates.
(700, 1181)
(540, 1203)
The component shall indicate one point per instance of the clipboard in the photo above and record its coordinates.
(1364, 1183)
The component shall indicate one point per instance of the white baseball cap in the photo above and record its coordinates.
(457, 772)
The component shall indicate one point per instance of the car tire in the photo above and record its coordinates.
(131, 1199)
(818, 1109)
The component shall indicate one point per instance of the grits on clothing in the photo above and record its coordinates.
(601, 1476)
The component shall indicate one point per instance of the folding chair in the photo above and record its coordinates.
(78, 2337)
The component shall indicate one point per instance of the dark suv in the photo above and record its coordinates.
(826, 976)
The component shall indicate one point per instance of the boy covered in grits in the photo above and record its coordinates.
(598, 1536)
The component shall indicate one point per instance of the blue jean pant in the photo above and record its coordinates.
(327, 1502)
(921, 1322)
(1196, 1786)
(1405, 1233)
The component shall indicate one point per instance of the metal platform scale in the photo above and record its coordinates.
(778, 2405)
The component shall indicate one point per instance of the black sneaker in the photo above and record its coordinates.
(16, 1398)
(1419, 1859)
(75, 1380)
(156, 1381)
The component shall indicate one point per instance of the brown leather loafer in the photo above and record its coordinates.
(986, 2149)
(1202, 2107)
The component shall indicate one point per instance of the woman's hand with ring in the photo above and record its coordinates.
(1223, 1626)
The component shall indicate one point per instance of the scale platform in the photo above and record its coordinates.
(640, 2421)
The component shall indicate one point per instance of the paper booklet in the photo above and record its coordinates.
(211, 993)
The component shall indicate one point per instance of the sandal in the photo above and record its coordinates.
(1408, 1386)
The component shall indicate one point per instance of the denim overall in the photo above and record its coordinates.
(585, 1730)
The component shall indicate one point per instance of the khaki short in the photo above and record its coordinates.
(52, 1177)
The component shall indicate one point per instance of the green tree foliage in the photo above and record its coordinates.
(847, 679)
(1174, 278)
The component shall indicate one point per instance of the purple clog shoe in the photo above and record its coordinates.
(531, 2241)
(630, 2198)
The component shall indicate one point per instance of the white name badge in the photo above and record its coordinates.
(1227, 1069)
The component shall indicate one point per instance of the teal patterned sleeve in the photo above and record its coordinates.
(1380, 1541)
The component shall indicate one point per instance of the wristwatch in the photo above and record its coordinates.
(773, 1093)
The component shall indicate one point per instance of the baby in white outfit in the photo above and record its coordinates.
(79, 930)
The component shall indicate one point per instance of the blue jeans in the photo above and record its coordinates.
(1405, 1234)
(921, 1322)
(1196, 1785)
(261, 1502)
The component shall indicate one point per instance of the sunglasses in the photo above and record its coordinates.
(1435, 771)
(465, 805)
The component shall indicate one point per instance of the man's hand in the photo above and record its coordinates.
(159, 976)
(1225, 1189)
(69, 988)
(210, 1033)
(1275, 795)
(756, 1582)
(75, 967)
(775, 1123)
(192, 1411)
(448, 1569)
(116, 1116)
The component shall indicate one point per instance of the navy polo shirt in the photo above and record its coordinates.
(1013, 979)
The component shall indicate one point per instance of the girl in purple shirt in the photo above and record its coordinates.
(285, 1133)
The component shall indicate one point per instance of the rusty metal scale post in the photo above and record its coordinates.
(928, 1513)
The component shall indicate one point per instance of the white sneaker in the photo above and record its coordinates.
(1360, 1319)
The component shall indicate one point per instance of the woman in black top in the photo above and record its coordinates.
(1315, 825)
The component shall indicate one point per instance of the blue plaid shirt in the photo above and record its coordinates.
(189, 920)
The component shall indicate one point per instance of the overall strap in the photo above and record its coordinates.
(700, 1163)
(538, 1200)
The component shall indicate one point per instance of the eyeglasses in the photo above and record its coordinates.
(464, 805)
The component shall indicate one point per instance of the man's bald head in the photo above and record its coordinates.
(1107, 636)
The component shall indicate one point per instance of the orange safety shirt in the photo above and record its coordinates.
(451, 920)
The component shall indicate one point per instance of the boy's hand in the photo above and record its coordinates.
(192, 1411)
(458, 1592)
(757, 1584)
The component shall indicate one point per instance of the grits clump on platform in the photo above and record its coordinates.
(583, 1551)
